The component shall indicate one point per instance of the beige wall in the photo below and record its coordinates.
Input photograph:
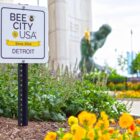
(6, 1)
(68, 19)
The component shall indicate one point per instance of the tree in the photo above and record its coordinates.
(135, 67)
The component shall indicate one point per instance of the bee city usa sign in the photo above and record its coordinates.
(24, 34)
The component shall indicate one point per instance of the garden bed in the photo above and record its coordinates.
(9, 130)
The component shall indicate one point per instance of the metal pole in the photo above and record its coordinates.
(131, 32)
(37, 2)
(131, 45)
(22, 94)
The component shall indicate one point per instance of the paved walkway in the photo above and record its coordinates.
(134, 106)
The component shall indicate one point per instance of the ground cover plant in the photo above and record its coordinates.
(124, 86)
(55, 95)
(128, 94)
(88, 127)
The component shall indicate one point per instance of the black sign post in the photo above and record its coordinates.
(22, 94)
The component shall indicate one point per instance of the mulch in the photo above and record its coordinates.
(9, 129)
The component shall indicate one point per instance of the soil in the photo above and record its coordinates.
(9, 129)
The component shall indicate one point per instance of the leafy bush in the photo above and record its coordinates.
(117, 86)
(116, 78)
(133, 85)
(96, 100)
(54, 95)
(116, 81)
(8, 90)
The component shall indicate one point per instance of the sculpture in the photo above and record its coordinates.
(90, 43)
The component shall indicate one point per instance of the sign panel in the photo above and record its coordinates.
(24, 34)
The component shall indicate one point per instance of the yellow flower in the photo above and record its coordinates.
(137, 133)
(105, 137)
(50, 136)
(86, 130)
(87, 119)
(78, 132)
(72, 120)
(93, 118)
(119, 137)
(67, 136)
(125, 120)
(91, 134)
(106, 124)
(104, 116)
(74, 128)
(99, 124)
(102, 124)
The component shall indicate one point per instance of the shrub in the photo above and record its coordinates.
(116, 78)
(116, 81)
(54, 95)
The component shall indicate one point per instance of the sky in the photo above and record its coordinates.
(123, 16)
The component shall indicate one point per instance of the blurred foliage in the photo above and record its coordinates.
(54, 95)
(128, 94)
(136, 64)
(116, 78)
(124, 86)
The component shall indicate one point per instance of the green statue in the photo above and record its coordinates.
(90, 43)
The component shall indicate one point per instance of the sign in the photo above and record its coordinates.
(24, 34)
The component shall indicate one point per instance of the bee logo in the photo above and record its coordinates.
(31, 18)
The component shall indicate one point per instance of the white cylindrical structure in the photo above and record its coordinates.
(6, 1)
(68, 19)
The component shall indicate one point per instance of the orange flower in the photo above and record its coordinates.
(50, 136)
(132, 127)
(111, 130)
(125, 120)
(137, 121)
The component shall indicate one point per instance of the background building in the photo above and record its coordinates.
(130, 57)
